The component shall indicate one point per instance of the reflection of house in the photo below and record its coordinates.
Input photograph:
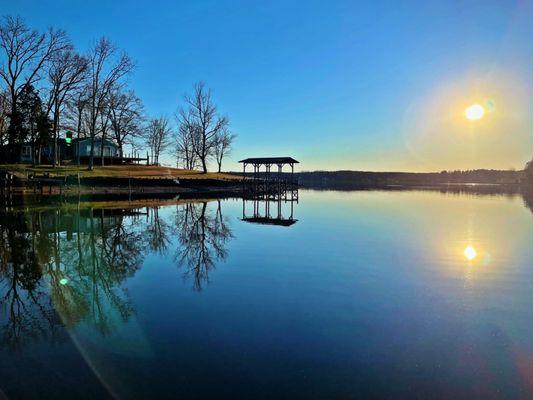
(84, 221)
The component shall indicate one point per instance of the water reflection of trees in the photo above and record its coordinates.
(60, 268)
(26, 311)
(157, 231)
(63, 267)
(203, 235)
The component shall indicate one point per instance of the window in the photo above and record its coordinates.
(26, 151)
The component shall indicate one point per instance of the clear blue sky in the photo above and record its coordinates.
(337, 84)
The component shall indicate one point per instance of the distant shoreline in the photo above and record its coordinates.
(128, 180)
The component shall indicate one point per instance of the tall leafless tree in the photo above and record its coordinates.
(106, 69)
(125, 116)
(222, 148)
(158, 134)
(26, 52)
(202, 114)
(185, 140)
(67, 73)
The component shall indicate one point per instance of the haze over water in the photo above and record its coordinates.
(377, 294)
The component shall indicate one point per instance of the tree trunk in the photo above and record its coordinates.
(11, 137)
(91, 156)
(32, 146)
(78, 143)
(102, 148)
(56, 134)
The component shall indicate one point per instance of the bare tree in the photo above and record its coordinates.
(125, 116)
(158, 133)
(67, 73)
(26, 52)
(222, 148)
(185, 140)
(106, 68)
(202, 114)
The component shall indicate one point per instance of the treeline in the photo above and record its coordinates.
(48, 88)
(361, 178)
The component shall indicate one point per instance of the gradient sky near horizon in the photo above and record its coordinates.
(336, 84)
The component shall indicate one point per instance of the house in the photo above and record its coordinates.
(47, 151)
(67, 151)
(82, 147)
(27, 152)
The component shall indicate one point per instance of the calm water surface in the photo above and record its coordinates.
(369, 294)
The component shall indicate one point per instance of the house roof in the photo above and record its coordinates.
(48, 142)
(96, 140)
(269, 160)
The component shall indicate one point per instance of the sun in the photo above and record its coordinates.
(470, 253)
(474, 112)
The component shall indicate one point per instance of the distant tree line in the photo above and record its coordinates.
(339, 179)
(48, 88)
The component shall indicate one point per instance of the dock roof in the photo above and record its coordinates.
(269, 160)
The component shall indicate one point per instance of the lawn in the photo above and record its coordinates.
(117, 171)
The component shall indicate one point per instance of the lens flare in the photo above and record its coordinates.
(490, 105)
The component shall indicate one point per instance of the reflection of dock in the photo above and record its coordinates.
(270, 210)
(270, 221)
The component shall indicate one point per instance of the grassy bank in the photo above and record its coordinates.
(115, 171)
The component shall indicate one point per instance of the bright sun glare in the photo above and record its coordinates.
(470, 253)
(474, 112)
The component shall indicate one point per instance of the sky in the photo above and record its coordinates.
(361, 85)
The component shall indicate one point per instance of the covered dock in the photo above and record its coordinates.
(268, 184)
(268, 162)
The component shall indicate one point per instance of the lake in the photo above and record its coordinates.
(360, 294)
